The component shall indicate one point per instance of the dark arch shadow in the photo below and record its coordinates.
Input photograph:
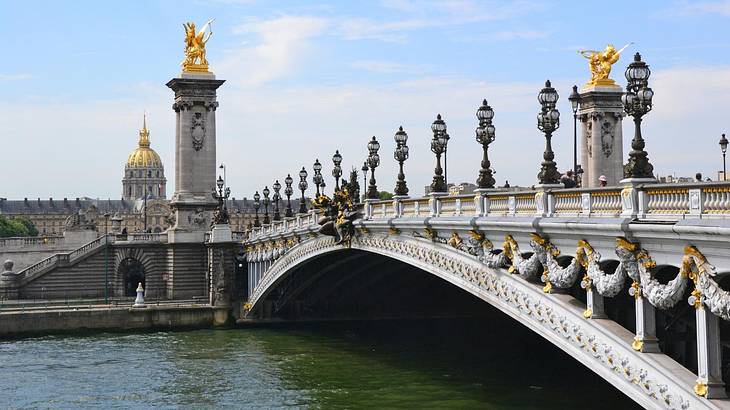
(132, 273)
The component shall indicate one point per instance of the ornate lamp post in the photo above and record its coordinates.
(548, 120)
(256, 205)
(574, 104)
(277, 197)
(723, 147)
(337, 170)
(317, 177)
(637, 102)
(438, 147)
(266, 205)
(400, 155)
(106, 256)
(288, 191)
(365, 169)
(221, 213)
(485, 136)
(373, 161)
(303, 187)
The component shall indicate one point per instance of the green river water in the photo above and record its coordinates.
(426, 364)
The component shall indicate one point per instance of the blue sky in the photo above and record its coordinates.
(305, 78)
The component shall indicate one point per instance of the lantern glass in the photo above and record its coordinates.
(256, 197)
(337, 158)
(303, 173)
(266, 192)
(317, 166)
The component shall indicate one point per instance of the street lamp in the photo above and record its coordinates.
(221, 214)
(365, 177)
(548, 120)
(373, 161)
(288, 191)
(277, 197)
(317, 177)
(637, 102)
(400, 155)
(256, 205)
(337, 170)
(266, 205)
(574, 104)
(485, 136)
(438, 147)
(723, 147)
(303, 187)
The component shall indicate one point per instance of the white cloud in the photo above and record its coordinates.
(281, 42)
(386, 67)
(15, 77)
(431, 14)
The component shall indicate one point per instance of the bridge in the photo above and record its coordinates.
(559, 261)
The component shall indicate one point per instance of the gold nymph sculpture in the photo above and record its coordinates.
(195, 60)
(600, 63)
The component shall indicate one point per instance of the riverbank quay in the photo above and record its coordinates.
(38, 320)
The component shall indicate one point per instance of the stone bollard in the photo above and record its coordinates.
(9, 282)
(139, 302)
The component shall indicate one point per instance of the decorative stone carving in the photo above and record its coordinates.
(197, 130)
(607, 138)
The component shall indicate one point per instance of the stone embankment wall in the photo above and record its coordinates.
(110, 319)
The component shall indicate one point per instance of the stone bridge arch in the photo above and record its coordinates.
(652, 380)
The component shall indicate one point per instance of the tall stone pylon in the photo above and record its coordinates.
(195, 149)
(601, 114)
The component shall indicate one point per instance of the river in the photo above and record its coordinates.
(434, 364)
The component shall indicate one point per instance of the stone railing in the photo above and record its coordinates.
(160, 237)
(645, 201)
(23, 241)
(649, 201)
(63, 259)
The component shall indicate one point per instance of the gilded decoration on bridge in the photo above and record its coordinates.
(195, 61)
(339, 212)
(600, 63)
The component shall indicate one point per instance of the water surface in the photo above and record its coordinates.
(434, 364)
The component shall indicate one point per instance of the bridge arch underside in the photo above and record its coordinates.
(391, 277)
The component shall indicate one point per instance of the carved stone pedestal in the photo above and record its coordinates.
(601, 114)
(195, 150)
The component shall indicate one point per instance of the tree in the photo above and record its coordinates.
(385, 195)
(16, 227)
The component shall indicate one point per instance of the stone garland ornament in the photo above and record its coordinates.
(554, 274)
(706, 290)
(527, 268)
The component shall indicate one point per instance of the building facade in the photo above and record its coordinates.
(143, 206)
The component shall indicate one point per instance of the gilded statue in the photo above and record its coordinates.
(195, 60)
(600, 63)
(339, 213)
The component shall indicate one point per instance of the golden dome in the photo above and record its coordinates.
(144, 156)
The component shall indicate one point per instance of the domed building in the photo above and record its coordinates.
(144, 174)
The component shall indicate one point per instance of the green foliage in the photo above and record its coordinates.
(16, 227)
(385, 195)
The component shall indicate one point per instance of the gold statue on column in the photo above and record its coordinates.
(600, 63)
(195, 60)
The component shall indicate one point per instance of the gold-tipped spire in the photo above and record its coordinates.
(144, 156)
(144, 134)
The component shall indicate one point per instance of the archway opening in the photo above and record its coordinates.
(132, 274)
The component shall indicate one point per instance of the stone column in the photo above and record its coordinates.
(601, 114)
(195, 149)
(9, 282)
(221, 257)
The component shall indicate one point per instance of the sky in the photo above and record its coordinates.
(304, 78)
